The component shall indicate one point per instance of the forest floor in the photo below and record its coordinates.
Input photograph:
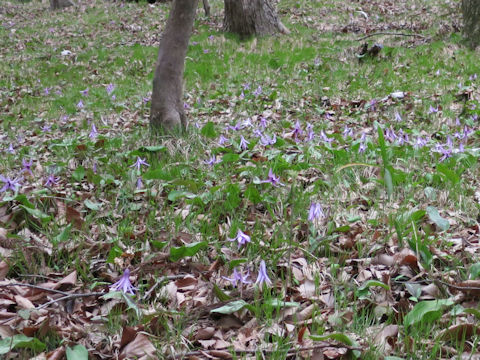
(323, 204)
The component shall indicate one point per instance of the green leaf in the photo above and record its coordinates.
(448, 173)
(233, 199)
(157, 174)
(131, 304)
(473, 311)
(79, 173)
(230, 158)
(388, 181)
(251, 193)
(208, 130)
(370, 283)
(92, 205)
(340, 337)
(37, 213)
(115, 252)
(63, 236)
(236, 262)
(178, 194)
(155, 148)
(78, 352)
(435, 217)
(426, 311)
(231, 307)
(20, 341)
(220, 294)
(475, 271)
(177, 253)
(279, 303)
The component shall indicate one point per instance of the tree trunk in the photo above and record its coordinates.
(471, 21)
(166, 110)
(251, 17)
(60, 4)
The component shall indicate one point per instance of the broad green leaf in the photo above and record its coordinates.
(92, 205)
(435, 217)
(236, 262)
(20, 341)
(155, 148)
(220, 294)
(448, 173)
(340, 337)
(157, 174)
(178, 194)
(231, 307)
(388, 181)
(475, 271)
(63, 236)
(426, 311)
(37, 213)
(279, 303)
(370, 283)
(177, 253)
(131, 304)
(22, 199)
(115, 252)
(208, 130)
(230, 158)
(252, 194)
(78, 352)
(79, 173)
(233, 199)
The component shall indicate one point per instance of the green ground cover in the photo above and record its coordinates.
(354, 180)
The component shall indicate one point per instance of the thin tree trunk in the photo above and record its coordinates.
(251, 17)
(166, 110)
(60, 4)
(471, 20)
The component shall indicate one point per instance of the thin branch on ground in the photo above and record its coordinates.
(70, 296)
(35, 287)
(390, 34)
(263, 351)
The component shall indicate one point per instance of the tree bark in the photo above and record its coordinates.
(166, 111)
(60, 4)
(251, 17)
(471, 20)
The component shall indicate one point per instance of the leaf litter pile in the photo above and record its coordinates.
(323, 204)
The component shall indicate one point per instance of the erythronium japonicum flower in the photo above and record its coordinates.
(110, 88)
(241, 238)
(238, 277)
(80, 104)
(262, 275)
(273, 179)
(10, 184)
(84, 92)
(315, 212)
(52, 180)
(93, 133)
(27, 166)
(138, 164)
(124, 284)
(243, 143)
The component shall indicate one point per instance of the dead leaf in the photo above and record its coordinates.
(139, 347)
(3, 270)
(384, 337)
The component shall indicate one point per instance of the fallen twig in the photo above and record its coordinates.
(70, 296)
(263, 351)
(36, 287)
(391, 34)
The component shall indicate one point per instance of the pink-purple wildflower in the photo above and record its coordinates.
(315, 212)
(243, 143)
(262, 275)
(124, 285)
(138, 164)
(93, 132)
(238, 277)
(241, 238)
(273, 179)
(10, 184)
(27, 166)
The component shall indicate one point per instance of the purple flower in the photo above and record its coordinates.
(262, 275)
(325, 138)
(84, 92)
(397, 116)
(263, 122)
(419, 143)
(315, 212)
(347, 132)
(124, 285)
(47, 90)
(373, 105)
(297, 131)
(93, 133)
(267, 140)
(52, 180)
(138, 164)
(80, 105)
(390, 135)
(186, 106)
(206, 51)
(139, 183)
(10, 149)
(247, 123)
(110, 88)
(211, 160)
(46, 128)
(362, 147)
(241, 238)
(211, 37)
(437, 72)
(242, 95)
(272, 179)
(94, 167)
(236, 276)
(222, 140)
(27, 166)
(10, 184)
(258, 91)
(432, 110)
(473, 77)
(146, 100)
(243, 143)
(246, 86)
(257, 133)
(235, 127)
